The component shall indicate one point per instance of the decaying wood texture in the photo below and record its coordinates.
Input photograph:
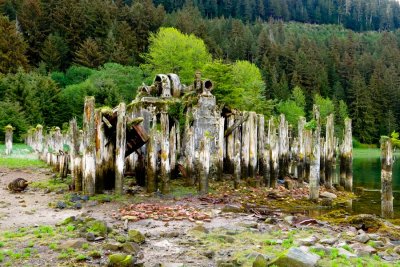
(386, 177)
(302, 150)
(346, 157)
(9, 139)
(283, 141)
(89, 144)
(120, 149)
(204, 165)
(329, 151)
(165, 165)
(151, 167)
(274, 153)
(315, 157)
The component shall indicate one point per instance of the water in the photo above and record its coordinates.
(367, 174)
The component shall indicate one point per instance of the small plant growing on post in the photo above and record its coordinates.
(9, 138)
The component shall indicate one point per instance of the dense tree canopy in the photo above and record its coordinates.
(171, 51)
(356, 73)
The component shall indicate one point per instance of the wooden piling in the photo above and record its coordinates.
(283, 147)
(165, 165)
(253, 132)
(330, 151)
(151, 170)
(245, 157)
(120, 147)
(346, 157)
(315, 159)
(236, 164)
(9, 139)
(386, 177)
(274, 153)
(322, 163)
(204, 165)
(100, 147)
(220, 148)
(76, 168)
(172, 149)
(230, 147)
(260, 144)
(302, 150)
(89, 148)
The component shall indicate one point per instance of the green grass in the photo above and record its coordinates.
(16, 163)
(52, 184)
(363, 153)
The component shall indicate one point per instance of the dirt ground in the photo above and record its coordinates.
(31, 232)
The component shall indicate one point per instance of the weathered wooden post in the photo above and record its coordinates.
(302, 150)
(322, 161)
(330, 151)
(151, 169)
(308, 153)
(236, 164)
(283, 147)
(9, 139)
(315, 157)
(274, 153)
(245, 158)
(204, 165)
(190, 158)
(253, 131)
(165, 166)
(39, 138)
(172, 149)
(76, 159)
(386, 177)
(346, 157)
(120, 147)
(220, 148)
(89, 148)
(261, 143)
(230, 146)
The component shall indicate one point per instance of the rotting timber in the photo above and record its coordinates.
(175, 131)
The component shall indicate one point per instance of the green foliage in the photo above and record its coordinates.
(394, 138)
(292, 111)
(326, 107)
(171, 51)
(238, 86)
(12, 47)
(298, 97)
(12, 113)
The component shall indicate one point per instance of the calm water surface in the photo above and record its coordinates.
(367, 174)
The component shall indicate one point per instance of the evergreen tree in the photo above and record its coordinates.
(12, 47)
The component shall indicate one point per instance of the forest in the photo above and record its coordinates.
(262, 56)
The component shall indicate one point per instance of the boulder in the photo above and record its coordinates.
(131, 248)
(260, 261)
(120, 260)
(309, 241)
(362, 238)
(296, 257)
(136, 236)
(327, 194)
(72, 243)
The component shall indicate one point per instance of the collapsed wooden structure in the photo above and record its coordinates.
(173, 130)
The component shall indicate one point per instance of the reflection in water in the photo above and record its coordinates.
(367, 174)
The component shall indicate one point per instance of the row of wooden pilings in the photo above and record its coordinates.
(241, 145)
